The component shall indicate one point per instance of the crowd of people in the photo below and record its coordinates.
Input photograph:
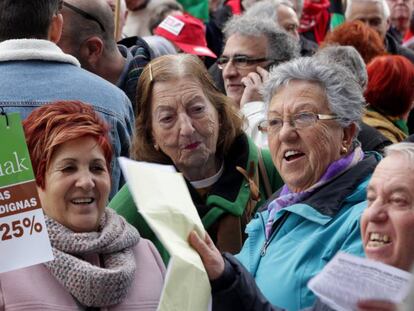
(291, 123)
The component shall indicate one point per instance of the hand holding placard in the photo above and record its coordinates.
(163, 200)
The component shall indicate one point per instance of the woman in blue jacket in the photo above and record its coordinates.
(313, 114)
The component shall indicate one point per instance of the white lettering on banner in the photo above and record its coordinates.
(19, 205)
(5, 195)
(10, 167)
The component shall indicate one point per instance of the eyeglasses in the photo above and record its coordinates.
(84, 14)
(241, 61)
(403, 1)
(298, 121)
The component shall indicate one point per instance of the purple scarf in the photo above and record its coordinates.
(288, 197)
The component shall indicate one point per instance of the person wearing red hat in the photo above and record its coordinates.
(187, 33)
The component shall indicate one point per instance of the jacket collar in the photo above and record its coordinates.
(34, 49)
(328, 199)
(391, 44)
(230, 182)
(128, 59)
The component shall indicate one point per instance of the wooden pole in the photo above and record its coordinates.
(116, 17)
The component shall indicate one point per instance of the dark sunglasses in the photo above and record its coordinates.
(84, 14)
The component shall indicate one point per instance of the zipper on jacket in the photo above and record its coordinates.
(275, 229)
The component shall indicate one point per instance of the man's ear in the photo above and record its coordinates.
(91, 51)
(55, 28)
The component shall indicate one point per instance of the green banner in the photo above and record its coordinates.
(15, 165)
(197, 8)
(23, 236)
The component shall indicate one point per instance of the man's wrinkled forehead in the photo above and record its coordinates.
(377, 7)
(252, 46)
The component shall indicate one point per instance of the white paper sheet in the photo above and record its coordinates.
(346, 279)
(163, 200)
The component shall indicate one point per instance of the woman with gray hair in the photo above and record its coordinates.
(314, 111)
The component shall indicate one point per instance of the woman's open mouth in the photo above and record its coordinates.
(82, 201)
(291, 155)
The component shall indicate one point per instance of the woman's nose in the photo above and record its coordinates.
(287, 131)
(85, 180)
(186, 125)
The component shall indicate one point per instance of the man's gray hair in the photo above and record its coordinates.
(267, 9)
(343, 93)
(405, 149)
(348, 57)
(280, 45)
(385, 8)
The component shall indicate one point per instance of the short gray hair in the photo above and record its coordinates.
(280, 45)
(383, 3)
(267, 9)
(405, 149)
(343, 93)
(348, 57)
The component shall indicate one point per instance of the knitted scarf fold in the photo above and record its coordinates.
(90, 285)
(287, 197)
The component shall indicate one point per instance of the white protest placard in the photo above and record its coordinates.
(23, 235)
(346, 279)
(163, 200)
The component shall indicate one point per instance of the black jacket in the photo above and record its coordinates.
(393, 47)
(371, 139)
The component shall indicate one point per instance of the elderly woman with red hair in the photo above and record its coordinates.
(389, 95)
(100, 262)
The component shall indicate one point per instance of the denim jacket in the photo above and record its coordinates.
(34, 72)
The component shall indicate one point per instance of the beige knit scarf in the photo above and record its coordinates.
(90, 285)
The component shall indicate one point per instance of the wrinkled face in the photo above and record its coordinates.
(401, 11)
(370, 13)
(252, 47)
(387, 225)
(288, 20)
(185, 124)
(77, 185)
(302, 155)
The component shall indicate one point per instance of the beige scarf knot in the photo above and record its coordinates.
(90, 285)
